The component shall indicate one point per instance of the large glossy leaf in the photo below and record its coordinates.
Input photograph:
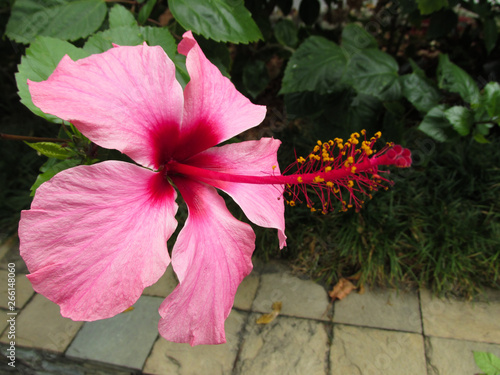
(429, 6)
(454, 79)
(435, 124)
(63, 19)
(491, 100)
(420, 92)
(38, 64)
(317, 65)
(356, 38)
(373, 72)
(120, 16)
(460, 118)
(220, 20)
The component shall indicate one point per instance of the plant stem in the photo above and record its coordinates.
(14, 137)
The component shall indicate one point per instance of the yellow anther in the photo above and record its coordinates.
(355, 135)
(316, 149)
(301, 160)
(363, 132)
(299, 179)
(328, 169)
(336, 190)
(354, 141)
(330, 142)
(319, 143)
(340, 146)
(292, 203)
(353, 170)
(350, 184)
(349, 206)
(349, 161)
(329, 184)
(311, 156)
(378, 135)
(313, 209)
(274, 167)
(318, 179)
(317, 157)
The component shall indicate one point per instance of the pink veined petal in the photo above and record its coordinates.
(126, 98)
(262, 204)
(211, 257)
(95, 237)
(214, 110)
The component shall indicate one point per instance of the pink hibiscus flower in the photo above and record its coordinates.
(96, 236)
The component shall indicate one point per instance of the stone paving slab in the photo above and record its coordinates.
(473, 321)
(124, 340)
(285, 346)
(300, 298)
(182, 359)
(9, 253)
(380, 309)
(245, 295)
(23, 290)
(369, 351)
(40, 325)
(449, 356)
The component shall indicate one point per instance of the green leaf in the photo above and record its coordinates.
(429, 6)
(317, 65)
(145, 11)
(454, 79)
(487, 362)
(355, 38)
(286, 33)
(52, 150)
(38, 64)
(51, 171)
(120, 16)
(123, 36)
(460, 118)
(63, 19)
(490, 30)
(159, 36)
(420, 92)
(255, 77)
(374, 72)
(221, 20)
(491, 100)
(435, 124)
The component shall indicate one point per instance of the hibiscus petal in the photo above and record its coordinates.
(211, 257)
(126, 98)
(95, 237)
(262, 204)
(214, 110)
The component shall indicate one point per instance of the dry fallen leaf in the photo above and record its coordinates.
(268, 318)
(341, 289)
